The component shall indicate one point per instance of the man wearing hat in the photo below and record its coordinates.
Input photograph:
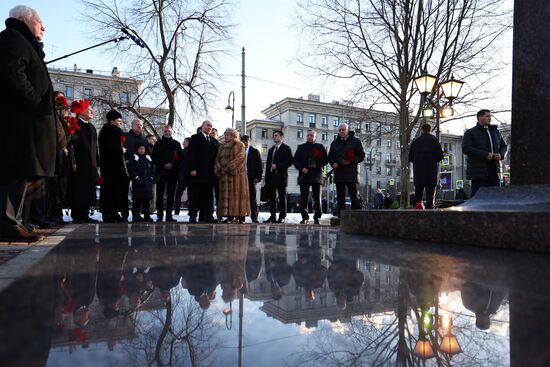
(254, 173)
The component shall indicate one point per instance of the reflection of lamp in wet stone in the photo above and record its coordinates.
(423, 348)
(449, 344)
(228, 312)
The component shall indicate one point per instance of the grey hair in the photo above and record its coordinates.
(22, 11)
(136, 121)
(344, 124)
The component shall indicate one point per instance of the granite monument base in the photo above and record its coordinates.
(516, 217)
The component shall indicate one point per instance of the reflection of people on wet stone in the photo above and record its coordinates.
(200, 280)
(344, 279)
(307, 270)
(277, 270)
(425, 153)
(28, 148)
(484, 148)
(229, 259)
(110, 277)
(482, 301)
(165, 276)
(253, 265)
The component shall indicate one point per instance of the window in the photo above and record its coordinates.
(378, 184)
(378, 170)
(358, 127)
(324, 120)
(388, 143)
(300, 134)
(378, 156)
(369, 156)
(378, 127)
(367, 126)
(388, 158)
(335, 136)
(335, 122)
(298, 303)
(69, 91)
(311, 119)
(388, 171)
(324, 136)
(88, 93)
(445, 147)
(264, 148)
(398, 172)
(124, 97)
(450, 147)
(378, 142)
(299, 118)
(264, 133)
(346, 122)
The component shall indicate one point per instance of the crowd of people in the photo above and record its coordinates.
(53, 158)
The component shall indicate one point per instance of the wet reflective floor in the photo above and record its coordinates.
(230, 295)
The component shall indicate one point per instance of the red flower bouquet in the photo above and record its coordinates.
(317, 154)
(122, 139)
(71, 125)
(176, 157)
(349, 155)
(61, 103)
(99, 181)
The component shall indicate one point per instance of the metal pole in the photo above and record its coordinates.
(233, 112)
(243, 108)
(241, 299)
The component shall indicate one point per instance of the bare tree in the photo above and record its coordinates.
(182, 44)
(382, 45)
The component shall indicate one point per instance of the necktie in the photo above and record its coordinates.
(275, 152)
(208, 139)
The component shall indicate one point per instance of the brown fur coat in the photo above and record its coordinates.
(233, 183)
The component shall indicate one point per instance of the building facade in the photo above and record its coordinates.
(105, 90)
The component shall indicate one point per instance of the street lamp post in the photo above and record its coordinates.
(231, 107)
(448, 89)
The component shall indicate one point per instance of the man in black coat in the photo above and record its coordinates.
(166, 157)
(26, 101)
(346, 152)
(254, 173)
(425, 153)
(484, 148)
(203, 150)
(309, 160)
(279, 159)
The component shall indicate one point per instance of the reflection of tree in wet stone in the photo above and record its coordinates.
(181, 334)
(388, 338)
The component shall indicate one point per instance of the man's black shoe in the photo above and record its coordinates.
(192, 220)
(280, 220)
(316, 221)
(170, 219)
(304, 221)
(270, 220)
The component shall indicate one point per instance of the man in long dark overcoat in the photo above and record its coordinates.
(279, 159)
(203, 150)
(28, 149)
(425, 153)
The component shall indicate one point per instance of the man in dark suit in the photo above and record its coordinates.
(425, 153)
(254, 173)
(202, 156)
(279, 158)
(309, 160)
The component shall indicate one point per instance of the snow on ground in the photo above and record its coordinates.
(291, 218)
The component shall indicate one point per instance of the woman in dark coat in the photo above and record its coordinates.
(142, 173)
(83, 171)
(113, 194)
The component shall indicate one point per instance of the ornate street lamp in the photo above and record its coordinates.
(231, 108)
(449, 344)
(448, 89)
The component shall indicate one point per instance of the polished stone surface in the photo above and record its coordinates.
(152, 295)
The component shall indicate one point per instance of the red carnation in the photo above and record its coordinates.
(62, 100)
(99, 181)
(349, 155)
(176, 157)
(80, 106)
(317, 154)
(122, 139)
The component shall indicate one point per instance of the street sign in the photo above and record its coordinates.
(446, 160)
(446, 180)
(459, 184)
(392, 181)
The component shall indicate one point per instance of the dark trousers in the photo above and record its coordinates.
(168, 183)
(341, 195)
(253, 202)
(419, 192)
(179, 193)
(12, 198)
(201, 201)
(124, 212)
(141, 206)
(304, 196)
(272, 193)
(492, 180)
(80, 213)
